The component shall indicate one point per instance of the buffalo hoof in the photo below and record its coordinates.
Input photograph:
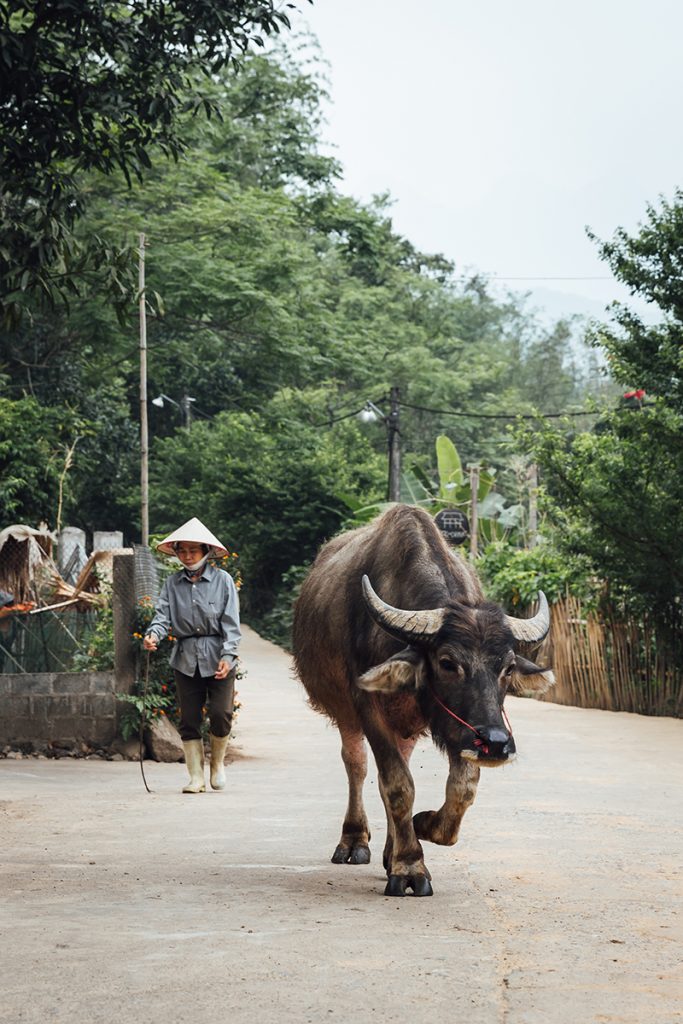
(422, 886)
(398, 884)
(351, 855)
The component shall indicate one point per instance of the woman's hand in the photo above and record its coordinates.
(223, 669)
(150, 642)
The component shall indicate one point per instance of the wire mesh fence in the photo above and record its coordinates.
(46, 642)
(147, 574)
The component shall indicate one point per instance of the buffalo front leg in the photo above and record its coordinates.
(405, 749)
(442, 826)
(403, 852)
(353, 846)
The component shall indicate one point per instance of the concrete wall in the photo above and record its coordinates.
(58, 707)
(70, 708)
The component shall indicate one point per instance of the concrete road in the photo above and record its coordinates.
(561, 902)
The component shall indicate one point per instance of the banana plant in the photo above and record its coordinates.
(453, 490)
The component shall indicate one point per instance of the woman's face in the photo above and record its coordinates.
(189, 553)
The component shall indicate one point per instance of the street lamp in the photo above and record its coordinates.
(184, 406)
(370, 413)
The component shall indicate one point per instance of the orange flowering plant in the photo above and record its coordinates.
(230, 563)
(154, 692)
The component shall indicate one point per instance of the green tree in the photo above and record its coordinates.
(616, 493)
(649, 356)
(273, 286)
(269, 483)
(94, 85)
(34, 460)
(617, 497)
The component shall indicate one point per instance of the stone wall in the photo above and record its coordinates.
(73, 708)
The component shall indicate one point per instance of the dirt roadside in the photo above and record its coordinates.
(562, 901)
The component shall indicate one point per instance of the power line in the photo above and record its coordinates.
(500, 416)
(505, 277)
(463, 414)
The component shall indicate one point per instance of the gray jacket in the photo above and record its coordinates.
(204, 618)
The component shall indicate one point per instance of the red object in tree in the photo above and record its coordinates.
(639, 394)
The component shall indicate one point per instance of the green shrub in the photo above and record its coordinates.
(97, 651)
(513, 576)
(276, 624)
(153, 693)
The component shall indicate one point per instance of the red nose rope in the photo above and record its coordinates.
(479, 742)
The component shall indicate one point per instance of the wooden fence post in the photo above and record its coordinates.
(532, 484)
(474, 516)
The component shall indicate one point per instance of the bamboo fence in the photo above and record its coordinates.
(615, 665)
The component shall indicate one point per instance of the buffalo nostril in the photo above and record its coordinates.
(494, 740)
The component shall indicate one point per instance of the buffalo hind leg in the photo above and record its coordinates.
(353, 846)
(442, 826)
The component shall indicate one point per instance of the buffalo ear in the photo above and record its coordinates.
(400, 672)
(530, 679)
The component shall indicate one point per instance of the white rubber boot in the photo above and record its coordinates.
(194, 759)
(218, 748)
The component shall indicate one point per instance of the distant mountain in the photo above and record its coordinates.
(554, 305)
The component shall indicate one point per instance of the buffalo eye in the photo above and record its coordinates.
(506, 675)
(448, 665)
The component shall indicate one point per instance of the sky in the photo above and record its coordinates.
(503, 129)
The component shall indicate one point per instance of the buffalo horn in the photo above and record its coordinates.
(533, 630)
(405, 625)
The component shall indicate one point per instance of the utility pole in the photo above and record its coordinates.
(186, 407)
(532, 483)
(394, 446)
(144, 434)
(474, 516)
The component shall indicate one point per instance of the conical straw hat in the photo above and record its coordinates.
(195, 531)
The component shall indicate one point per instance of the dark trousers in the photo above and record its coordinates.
(198, 692)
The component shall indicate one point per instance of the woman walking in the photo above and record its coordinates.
(200, 607)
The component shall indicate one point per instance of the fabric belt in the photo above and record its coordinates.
(193, 636)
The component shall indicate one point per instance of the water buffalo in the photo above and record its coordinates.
(436, 658)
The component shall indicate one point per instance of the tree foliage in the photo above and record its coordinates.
(650, 264)
(514, 576)
(616, 497)
(268, 482)
(616, 493)
(90, 85)
(34, 446)
(283, 305)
